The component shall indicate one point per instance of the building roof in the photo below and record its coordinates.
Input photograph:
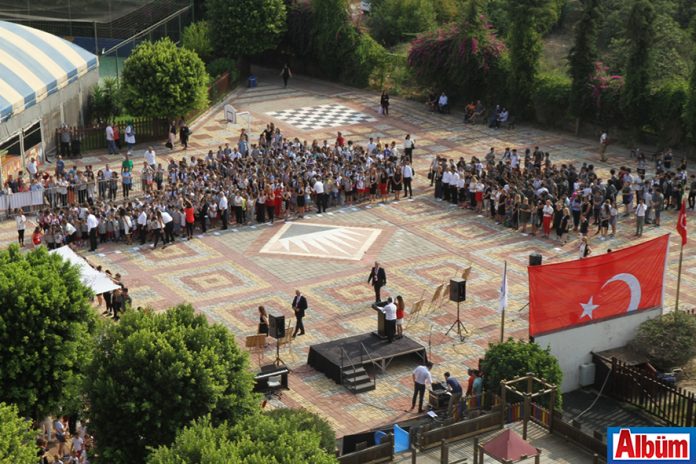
(35, 64)
(509, 446)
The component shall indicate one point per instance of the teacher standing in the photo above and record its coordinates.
(378, 279)
(299, 305)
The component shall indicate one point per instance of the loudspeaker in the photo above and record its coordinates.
(276, 326)
(457, 290)
(535, 259)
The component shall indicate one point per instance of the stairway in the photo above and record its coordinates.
(357, 380)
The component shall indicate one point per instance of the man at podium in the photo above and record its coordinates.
(389, 311)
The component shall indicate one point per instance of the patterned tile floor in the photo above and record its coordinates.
(421, 243)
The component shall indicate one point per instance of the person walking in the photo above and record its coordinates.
(384, 103)
(378, 279)
(286, 74)
(407, 174)
(421, 376)
(603, 142)
(110, 140)
(299, 306)
(21, 226)
(130, 137)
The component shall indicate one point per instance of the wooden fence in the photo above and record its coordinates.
(668, 403)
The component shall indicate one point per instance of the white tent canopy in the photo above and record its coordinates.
(98, 281)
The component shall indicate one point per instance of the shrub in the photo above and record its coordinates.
(367, 55)
(515, 358)
(668, 341)
(16, 437)
(46, 326)
(551, 96)
(668, 101)
(220, 66)
(154, 373)
(260, 438)
(461, 59)
(391, 20)
(301, 419)
(161, 79)
(105, 101)
(196, 37)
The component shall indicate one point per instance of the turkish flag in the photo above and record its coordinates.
(579, 292)
(681, 222)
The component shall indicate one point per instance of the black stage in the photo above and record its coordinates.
(326, 357)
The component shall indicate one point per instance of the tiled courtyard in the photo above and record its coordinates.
(421, 243)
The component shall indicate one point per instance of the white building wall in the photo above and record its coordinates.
(573, 347)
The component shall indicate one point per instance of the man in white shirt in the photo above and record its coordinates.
(603, 141)
(222, 207)
(640, 217)
(421, 376)
(322, 200)
(32, 168)
(142, 226)
(92, 224)
(111, 144)
(442, 103)
(407, 175)
(389, 311)
(151, 157)
(409, 145)
(168, 222)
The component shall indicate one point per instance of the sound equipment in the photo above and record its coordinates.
(457, 290)
(535, 259)
(276, 326)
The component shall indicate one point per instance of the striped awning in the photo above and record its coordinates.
(35, 64)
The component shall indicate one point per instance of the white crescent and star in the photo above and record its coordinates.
(633, 285)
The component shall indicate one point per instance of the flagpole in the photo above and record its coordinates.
(502, 313)
(681, 255)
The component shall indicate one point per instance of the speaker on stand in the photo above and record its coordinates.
(458, 294)
(276, 329)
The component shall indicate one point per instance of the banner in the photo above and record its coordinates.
(580, 292)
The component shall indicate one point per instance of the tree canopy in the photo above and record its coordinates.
(258, 439)
(240, 28)
(16, 437)
(45, 330)
(668, 341)
(160, 79)
(154, 373)
(582, 58)
(515, 358)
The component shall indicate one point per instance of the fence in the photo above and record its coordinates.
(84, 139)
(668, 403)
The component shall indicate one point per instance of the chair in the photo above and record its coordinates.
(275, 383)
(257, 344)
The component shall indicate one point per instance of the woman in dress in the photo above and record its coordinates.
(383, 183)
(563, 226)
(400, 311)
(397, 184)
(36, 237)
(300, 199)
(263, 321)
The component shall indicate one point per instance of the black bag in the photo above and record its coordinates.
(169, 145)
(430, 175)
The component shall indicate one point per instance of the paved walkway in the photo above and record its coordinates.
(421, 243)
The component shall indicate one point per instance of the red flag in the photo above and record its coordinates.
(681, 222)
(578, 292)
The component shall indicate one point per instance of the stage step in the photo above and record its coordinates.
(357, 380)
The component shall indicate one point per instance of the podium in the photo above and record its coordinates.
(381, 320)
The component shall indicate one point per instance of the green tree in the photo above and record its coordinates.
(582, 58)
(333, 36)
(160, 79)
(45, 329)
(153, 373)
(391, 20)
(16, 437)
(258, 439)
(668, 341)
(690, 109)
(196, 37)
(636, 94)
(241, 28)
(524, 42)
(105, 101)
(515, 358)
(301, 419)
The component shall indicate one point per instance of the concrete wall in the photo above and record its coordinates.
(572, 347)
(65, 106)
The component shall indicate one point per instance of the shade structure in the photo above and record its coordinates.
(98, 281)
(508, 446)
(35, 64)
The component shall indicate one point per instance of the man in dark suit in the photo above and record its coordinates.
(378, 279)
(299, 305)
